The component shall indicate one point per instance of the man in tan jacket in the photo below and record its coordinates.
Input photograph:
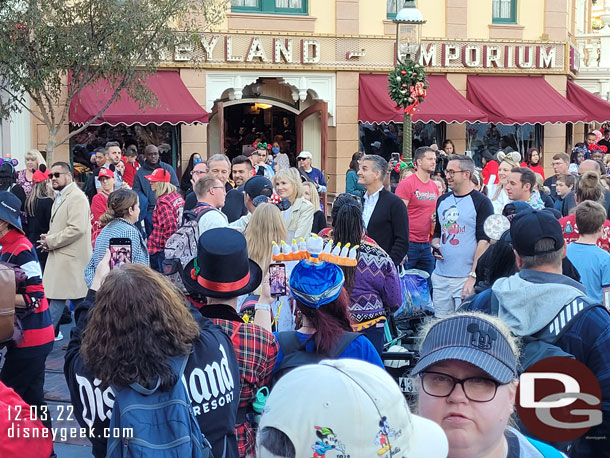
(68, 243)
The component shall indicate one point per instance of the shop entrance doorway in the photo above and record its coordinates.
(247, 122)
(234, 125)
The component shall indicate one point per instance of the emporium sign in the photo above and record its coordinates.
(242, 50)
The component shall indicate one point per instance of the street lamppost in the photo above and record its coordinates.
(408, 36)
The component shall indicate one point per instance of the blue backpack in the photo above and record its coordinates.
(155, 423)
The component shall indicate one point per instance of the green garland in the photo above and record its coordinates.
(402, 79)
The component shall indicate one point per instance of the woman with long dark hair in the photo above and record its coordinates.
(185, 181)
(323, 305)
(373, 285)
(533, 160)
(351, 177)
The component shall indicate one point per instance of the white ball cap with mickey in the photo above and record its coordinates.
(348, 407)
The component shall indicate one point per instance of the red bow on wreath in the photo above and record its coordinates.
(415, 92)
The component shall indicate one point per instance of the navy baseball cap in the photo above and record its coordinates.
(470, 339)
(258, 185)
(10, 206)
(529, 227)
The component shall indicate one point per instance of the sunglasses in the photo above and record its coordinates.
(57, 174)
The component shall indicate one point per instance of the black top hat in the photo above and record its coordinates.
(222, 268)
(10, 205)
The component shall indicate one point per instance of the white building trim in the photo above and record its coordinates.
(321, 86)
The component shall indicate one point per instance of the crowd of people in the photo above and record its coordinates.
(226, 289)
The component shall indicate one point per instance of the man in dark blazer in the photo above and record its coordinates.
(384, 214)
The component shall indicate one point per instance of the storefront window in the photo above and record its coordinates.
(386, 138)
(504, 11)
(393, 7)
(270, 6)
(166, 137)
(496, 137)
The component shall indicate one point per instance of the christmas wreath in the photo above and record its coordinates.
(408, 86)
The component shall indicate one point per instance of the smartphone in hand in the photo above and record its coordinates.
(277, 280)
(120, 252)
(436, 253)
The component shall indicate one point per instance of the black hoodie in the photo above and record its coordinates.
(215, 404)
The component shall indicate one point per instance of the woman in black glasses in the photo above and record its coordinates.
(467, 384)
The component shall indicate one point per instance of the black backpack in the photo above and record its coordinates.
(295, 353)
(543, 344)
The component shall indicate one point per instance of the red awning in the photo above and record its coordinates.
(443, 103)
(595, 108)
(175, 104)
(521, 100)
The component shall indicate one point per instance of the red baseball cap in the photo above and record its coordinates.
(105, 173)
(159, 175)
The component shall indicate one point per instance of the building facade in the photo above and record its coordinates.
(297, 69)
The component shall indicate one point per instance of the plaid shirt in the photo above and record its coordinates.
(256, 350)
(168, 212)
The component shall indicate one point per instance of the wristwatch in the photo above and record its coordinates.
(473, 275)
(261, 306)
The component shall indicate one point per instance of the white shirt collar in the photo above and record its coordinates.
(374, 195)
(61, 193)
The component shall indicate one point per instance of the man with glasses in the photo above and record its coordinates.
(199, 171)
(68, 243)
(314, 175)
(561, 164)
(211, 196)
(459, 238)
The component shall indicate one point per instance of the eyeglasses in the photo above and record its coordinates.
(451, 173)
(301, 159)
(57, 174)
(198, 172)
(477, 389)
(219, 187)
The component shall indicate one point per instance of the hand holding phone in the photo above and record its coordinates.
(120, 252)
(277, 279)
(395, 157)
(436, 253)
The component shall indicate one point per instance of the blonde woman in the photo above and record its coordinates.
(299, 217)
(468, 390)
(33, 160)
(497, 193)
(310, 192)
(166, 216)
(38, 210)
(266, 226)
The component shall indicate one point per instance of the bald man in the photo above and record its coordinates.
(141, 185)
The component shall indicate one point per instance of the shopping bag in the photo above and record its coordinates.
(415, 291)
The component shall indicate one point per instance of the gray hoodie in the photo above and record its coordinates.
(529, 300)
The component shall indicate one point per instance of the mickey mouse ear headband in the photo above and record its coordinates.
(14, 162)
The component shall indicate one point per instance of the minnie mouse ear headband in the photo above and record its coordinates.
(513, 156)
(41, 174)
(317, 279)
(14, 162)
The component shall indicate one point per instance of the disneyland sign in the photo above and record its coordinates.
(242, 50)
(490, 56)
